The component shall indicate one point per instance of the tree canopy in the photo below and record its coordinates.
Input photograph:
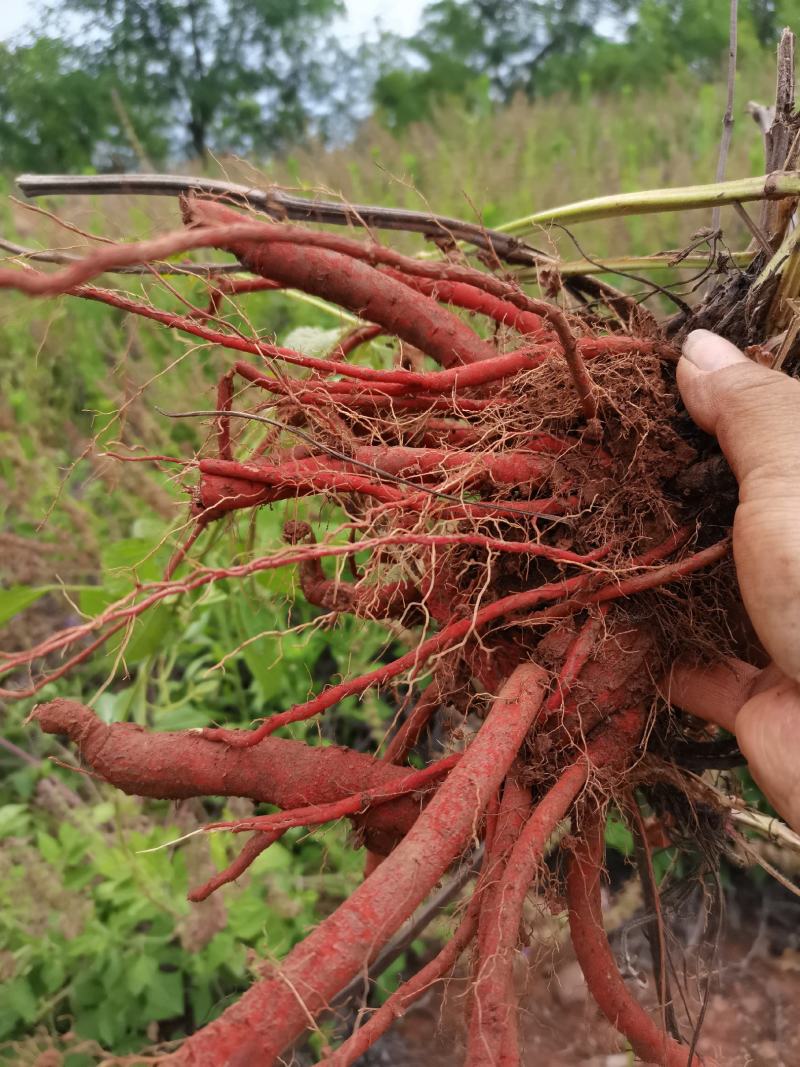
(486, 51)
(239, 76)
(102, 82)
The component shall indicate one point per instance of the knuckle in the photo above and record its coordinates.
(745, 392)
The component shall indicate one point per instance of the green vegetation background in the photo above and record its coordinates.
(96, 936)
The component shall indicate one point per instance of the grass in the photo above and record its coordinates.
(530, 157)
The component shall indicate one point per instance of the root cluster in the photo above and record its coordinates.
(538, 521)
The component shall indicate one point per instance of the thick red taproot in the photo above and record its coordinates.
(492, 1038)
(172, 766)
(276, 1010)
(352, 284)
(471, 298)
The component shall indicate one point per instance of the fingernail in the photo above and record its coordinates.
(709, 352)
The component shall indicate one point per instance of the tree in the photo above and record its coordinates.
(498, 46)
(233, 75)
(489, 50)
(182, 76)
(54, 114)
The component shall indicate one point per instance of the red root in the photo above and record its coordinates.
(412, 729)
(362, 335)
(356, 804)
(249, 853)
(395, 1006)
(174, 766)
(506, 606)
(493, 1020)
(275, 1011)
(605, 983)
(515, 809)
(448, 636)
(226, 286)
(351, 284)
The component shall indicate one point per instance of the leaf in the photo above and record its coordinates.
(147, 529)
(619, 837)
(222, 951)
(249, 918)
(141, 973)
(102, 813)
(132, 553)
(202, 1002)
(262, 656)
(280, 582)
(50, 849)
(165, 995)
(14, 819)
(187, 717)
(662, 862)
(19, 1000)
(312, 341)
(275, 858)
(150, 632)
(19, 597)
(108, 1024)
(94, 600)
(114, 707)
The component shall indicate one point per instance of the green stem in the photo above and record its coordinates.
(766, 187)
(620, 264)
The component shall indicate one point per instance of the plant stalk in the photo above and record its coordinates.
(766, 187)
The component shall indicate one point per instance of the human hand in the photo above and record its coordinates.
(755, 414)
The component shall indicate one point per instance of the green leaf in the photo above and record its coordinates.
(202, 1001)
(150, 632)
(14, 819)
(619, 837)
(19, 597)
(102, 813)
(94, 600)
(184, 718)
(114, 707)
(275, 858)
(54, 974)
(50, 849)
(262, 656)
(141, 974)
(19, 1000)
(108, 1024)
(662, 862)
(281, 581)
(132, 554)
(221, 951)
(312, 341)
(165, 995)
(248, 918)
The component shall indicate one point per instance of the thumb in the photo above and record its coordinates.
(768, 732)
(755, 414)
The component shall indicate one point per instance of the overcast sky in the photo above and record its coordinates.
(361, 16)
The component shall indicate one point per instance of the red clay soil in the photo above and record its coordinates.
(751, 1020)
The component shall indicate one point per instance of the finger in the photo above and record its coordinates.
(755, 413)
(714, 693)
(768, 732)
